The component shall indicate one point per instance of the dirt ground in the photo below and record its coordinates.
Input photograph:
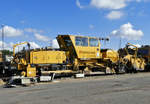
(113, 89)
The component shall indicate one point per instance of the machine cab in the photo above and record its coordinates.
(83, 47)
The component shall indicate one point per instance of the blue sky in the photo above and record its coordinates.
(31, 19)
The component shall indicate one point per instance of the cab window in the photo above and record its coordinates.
(80, 41)
(93, 42)
(67, 41)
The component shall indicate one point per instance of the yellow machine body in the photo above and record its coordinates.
(1, 57)
(31, 71)
(144, 52)
(110, 54)
(137, 63)
(84, 52)
(81, 47)
(76, 54)
(47, 57)
(86, 47)
(36, 58)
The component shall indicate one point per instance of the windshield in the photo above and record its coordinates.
(80, 41)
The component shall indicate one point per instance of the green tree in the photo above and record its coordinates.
(7, 52)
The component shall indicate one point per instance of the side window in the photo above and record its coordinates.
(93, 42)
(80, 41)
(84, 41)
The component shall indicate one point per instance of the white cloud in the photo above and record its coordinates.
(108, 4)
(31, 30)
(7, 46)
(41, 37)
(34, 45)
(126, 31)
(91, 26)
(114, 15)
(11, 31)
(78, 4)
(112, 4)
(55, 43)
(138, 45)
